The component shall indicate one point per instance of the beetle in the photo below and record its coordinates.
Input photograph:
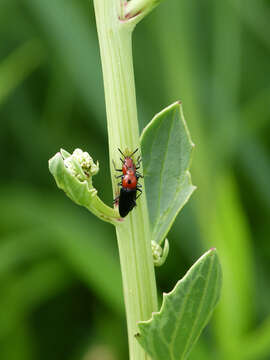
(129, 183)
(128, 163)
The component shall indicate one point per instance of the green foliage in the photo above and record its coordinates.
(166, 149)
(18, 65)
(49, 229)
(173, 331)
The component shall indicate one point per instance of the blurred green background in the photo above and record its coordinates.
(60, 283)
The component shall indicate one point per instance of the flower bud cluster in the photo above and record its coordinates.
(81, 165)
(159, 254)
(156, 251)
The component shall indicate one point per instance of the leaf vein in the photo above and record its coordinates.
(181, 315)
(199, 307)
(162, 171)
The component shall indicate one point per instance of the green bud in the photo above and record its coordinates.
(73, 173)
(159, 254)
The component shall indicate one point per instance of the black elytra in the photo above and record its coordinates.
(127, 201)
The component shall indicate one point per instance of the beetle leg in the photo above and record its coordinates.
(115, 167)
(116, 199)
(139, 193)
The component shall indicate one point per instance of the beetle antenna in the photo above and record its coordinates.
(134, 152)
(121, 152)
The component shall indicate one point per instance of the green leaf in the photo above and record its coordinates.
(171, 332)
(166, 150)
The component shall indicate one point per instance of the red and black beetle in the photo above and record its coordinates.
(129, 184)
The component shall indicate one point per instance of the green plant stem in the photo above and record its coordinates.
(133, 234)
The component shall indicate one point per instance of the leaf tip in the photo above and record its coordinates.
(194, 187)
(212, 251)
